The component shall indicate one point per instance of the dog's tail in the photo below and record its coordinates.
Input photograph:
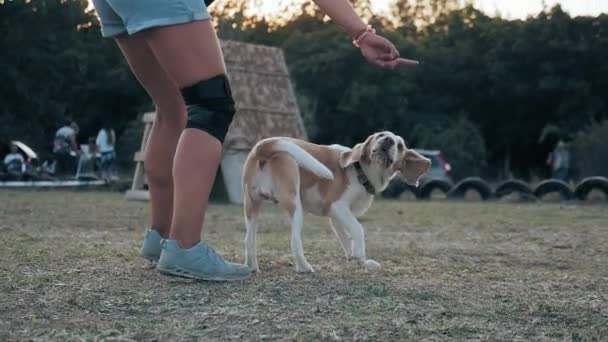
(269, 146)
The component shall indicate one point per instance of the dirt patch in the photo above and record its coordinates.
(70, 270)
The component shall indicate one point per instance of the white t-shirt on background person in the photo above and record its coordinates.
(9, 158)
(102, 142)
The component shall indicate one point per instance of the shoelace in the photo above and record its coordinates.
(212, 254)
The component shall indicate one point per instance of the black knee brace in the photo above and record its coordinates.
(210, 106)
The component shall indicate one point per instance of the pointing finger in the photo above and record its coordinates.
(402, 62)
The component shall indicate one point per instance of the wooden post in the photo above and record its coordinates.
(137, 191)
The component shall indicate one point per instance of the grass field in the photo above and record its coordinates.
(70, 270)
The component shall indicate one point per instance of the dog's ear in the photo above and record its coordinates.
(348, 158)
(358, 153)
(413, 166)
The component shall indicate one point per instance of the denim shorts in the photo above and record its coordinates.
(130, 16)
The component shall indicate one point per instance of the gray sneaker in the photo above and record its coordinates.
(152, 245)
(198, 262)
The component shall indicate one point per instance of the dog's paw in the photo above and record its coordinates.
(304, 268)
(252, 265)
(370, 265)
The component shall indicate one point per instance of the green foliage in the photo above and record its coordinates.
(512, 78)
(55, 66)
(460, 141)
(590, 149)
(485, 91)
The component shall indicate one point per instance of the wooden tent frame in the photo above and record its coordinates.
(137, 191)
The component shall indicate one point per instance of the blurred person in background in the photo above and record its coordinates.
(65, 148)
(105, 141)
(14, 163)
(559, 161)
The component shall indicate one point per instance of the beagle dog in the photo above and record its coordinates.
(331, 181)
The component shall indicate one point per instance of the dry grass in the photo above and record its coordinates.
(70, 270)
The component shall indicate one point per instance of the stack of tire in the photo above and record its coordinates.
(503, 189)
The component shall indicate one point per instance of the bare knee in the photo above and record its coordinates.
(171, 117)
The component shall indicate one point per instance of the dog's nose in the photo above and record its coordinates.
(387, 143)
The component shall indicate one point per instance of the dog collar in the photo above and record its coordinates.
(364, 180)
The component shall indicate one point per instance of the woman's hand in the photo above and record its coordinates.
(381, 52)
(377, 50)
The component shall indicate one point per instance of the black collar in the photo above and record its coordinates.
(364, 180)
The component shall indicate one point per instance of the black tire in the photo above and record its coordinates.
(583, 189)
(553, 185)
(396, 188)
(427, 188)
(513, 185)
(393, 190)
(472, 183)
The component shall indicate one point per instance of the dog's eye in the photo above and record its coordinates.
(400, 147)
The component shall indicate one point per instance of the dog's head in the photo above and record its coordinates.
(387, 151)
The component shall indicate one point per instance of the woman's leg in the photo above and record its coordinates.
(190, 53)
(191, 56)
(169, 123)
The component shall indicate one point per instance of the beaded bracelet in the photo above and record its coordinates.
(368, 29)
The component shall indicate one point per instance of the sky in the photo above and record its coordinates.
(513, 9)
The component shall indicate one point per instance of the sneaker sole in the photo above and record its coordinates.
(189, 275)
(150, 257)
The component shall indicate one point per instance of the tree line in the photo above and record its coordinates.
(493, 94)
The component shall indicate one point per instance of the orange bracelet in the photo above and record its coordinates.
(363, 34)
